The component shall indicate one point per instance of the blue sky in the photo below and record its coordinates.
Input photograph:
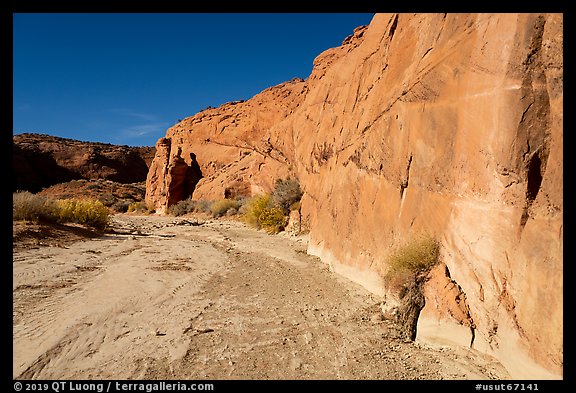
(126, 78)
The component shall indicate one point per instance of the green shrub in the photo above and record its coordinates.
(272, 220)
(268, 211)
(418, 255)
(31, 207)
(253, 208)
(222, 206)
(286, 193)
(83, 211)
(260, 213)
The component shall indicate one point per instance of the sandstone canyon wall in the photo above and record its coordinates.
(446, 124)
(224, 151)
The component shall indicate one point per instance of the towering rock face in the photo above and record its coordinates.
(230, 147)
(171, 178)
(449, 125)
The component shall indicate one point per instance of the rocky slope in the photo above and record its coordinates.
(40, 161)
(443, 124)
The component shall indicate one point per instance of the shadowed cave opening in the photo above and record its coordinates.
(193, 176)
(534, 177)
(185, 177)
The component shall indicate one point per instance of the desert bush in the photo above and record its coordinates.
(417, 255)
(268, 211)
(183, 207)
(83, 211)
(216, 208)
(408, 267)
(220, 207)
(286, 193)
(203, 206)
(251, 210)
(140, 207)
(232, 212)
(121, 206)
(261, 213)
(242, 204)
(107, 199)
(28, 206)
(32, 207)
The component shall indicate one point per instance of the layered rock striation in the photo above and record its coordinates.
(445, 124)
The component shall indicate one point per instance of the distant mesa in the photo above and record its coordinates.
(40, 161)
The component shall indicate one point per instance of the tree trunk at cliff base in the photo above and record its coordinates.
(412, 302)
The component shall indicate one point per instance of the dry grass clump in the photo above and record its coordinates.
(224, 207)
(217, 208)
(183, 207)
(263, 212)
(31, 207)
(121, 206)
(417, 255)
(140, 207)
(408, 267)
(37, 208)
(411, 260)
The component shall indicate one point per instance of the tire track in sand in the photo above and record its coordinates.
(207, 301)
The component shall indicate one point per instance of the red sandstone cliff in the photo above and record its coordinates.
(229, 149)
(438, 123)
